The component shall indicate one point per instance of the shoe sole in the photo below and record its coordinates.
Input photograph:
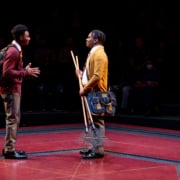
(15, 157)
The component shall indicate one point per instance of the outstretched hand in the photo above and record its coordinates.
(35, 71)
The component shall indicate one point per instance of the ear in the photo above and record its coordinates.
(95, 41)
(21, 37)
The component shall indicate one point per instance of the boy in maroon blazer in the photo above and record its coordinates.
(13, 74)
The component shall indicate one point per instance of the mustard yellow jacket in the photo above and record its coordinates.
(97, 71)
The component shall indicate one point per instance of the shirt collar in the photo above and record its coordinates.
(94, 48)
(17, 45)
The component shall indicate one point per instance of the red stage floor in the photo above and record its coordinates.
(131, 153)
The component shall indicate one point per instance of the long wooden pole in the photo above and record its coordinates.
(76, 64)
(85, 100)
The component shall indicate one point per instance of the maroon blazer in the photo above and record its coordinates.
(13, 72)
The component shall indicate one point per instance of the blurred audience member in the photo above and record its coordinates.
(146, 88)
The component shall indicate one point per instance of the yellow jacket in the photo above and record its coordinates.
(97, 71)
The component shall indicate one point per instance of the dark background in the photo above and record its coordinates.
(121, 21)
